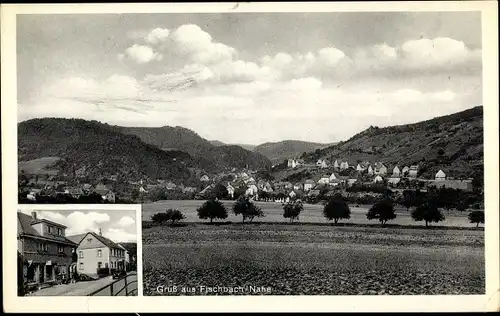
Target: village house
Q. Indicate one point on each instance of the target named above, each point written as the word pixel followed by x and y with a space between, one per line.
pixel 204 178
pixel 360 167
pixel 325 179
pixel 405 171
pixel 309 184
pixel 440 175
pixel 170 186
pixel 46 252
pixel 344 165
pixel 288 185
pixel 298 186
pixel 106 193
pixel 351 181
pixel 230 190
pixel 268 188
pixel 128 258
pixel 96 252
pixel 292 194
pixel 292 163
pixel 252 190
pixel 261 184
pixel 189 190
pixel 396 172
pixel 322 163
pixel 378 179
pixel 394 179
pixel 380 169
pixel 370 170
pixel 336 165
pixel 74 192
pixel 413 171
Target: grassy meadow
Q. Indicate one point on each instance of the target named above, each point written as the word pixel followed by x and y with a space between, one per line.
pixel 311 258
pixel 313 213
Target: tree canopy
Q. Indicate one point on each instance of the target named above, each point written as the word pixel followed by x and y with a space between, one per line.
pixel 382 210
pixel 212 209
pixel 336 208
pixel 247 209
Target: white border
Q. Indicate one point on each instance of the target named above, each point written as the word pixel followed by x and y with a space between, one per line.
pixel 448 303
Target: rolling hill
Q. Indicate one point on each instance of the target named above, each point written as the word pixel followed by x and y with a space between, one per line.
pixel 453 143
pixel 209 156
pixel 279 151
pixel 97 150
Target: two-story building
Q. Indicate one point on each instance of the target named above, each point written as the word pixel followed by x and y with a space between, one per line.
pixel 95 252
pixel 45 249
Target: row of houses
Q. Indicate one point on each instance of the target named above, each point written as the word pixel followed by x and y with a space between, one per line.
pixel 73 191
pixel 48 254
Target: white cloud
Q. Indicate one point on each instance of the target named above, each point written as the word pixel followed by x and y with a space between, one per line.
pixel 120 235
pixel 142 54
pixel 78 222
pixel 158 35
pixel 197 45
pixel 126 221
pixel 330 56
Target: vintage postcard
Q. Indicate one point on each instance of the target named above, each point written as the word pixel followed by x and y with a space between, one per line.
pixel 291 156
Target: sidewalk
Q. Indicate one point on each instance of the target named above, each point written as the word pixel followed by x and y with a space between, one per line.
pixel 75 289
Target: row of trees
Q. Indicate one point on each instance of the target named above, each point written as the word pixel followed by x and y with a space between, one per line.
pixel 335 209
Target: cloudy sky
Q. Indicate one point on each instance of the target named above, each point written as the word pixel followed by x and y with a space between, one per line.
pixel 250 77
pixel 119 226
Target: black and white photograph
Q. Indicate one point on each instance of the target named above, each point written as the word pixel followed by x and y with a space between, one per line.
pixel 263 152
pixel 63 252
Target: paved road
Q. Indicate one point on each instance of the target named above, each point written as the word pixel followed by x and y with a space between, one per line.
pixel 87 287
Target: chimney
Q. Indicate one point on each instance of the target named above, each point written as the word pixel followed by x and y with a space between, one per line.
pixel 100 231
pixel 33 214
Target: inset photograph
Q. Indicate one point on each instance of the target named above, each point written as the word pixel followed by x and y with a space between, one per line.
pixel 77 252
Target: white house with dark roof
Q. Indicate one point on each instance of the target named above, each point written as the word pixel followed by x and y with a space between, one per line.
pixel 336 165
pixel 396 172
pixel 309 184
pixel 405 171
pixel 413 171
pixel 440 175
pixel 95 252
pixel 370 170
pixel 378 179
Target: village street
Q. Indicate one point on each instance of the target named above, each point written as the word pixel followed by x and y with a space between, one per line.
pixel 84 288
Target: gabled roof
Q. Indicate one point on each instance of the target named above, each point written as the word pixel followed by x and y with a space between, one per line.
pixel 24 227
pixel 106 241
pixel 309 181
pixel 76 238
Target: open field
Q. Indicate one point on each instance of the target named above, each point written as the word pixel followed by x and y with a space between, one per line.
pixel 37 166
pixel 313 259
pixel 313 213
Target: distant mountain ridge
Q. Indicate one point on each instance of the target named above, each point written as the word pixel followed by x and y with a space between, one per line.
pixel 208 155
pixel 452 143
pixel 279 151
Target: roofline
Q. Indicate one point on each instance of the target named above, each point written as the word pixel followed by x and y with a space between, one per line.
pixel 36 221
pixel 67 241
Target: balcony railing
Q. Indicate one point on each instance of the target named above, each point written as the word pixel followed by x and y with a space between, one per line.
pixel 125 286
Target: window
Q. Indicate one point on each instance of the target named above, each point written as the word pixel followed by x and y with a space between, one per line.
pixel 60 249
pixel 59 232
pixel 43 247
pixel 81 266
pixel 80 254
pixel 99 265
pixel 49 229
pixel 99 252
